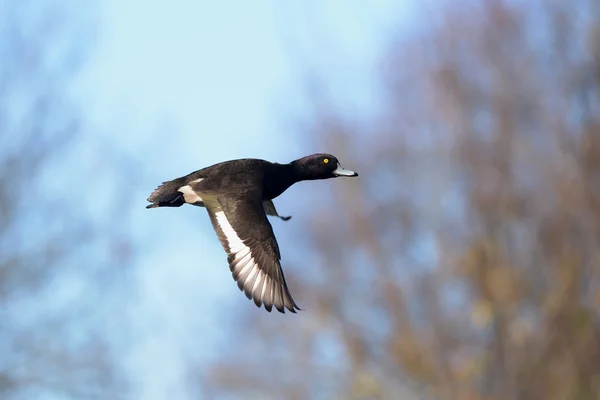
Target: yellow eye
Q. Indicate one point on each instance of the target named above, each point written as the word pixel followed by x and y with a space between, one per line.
pixel 326 160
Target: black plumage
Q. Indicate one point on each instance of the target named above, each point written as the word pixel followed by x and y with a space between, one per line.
pixel 238 196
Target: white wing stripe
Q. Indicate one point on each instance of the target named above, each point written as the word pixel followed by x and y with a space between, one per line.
pixel 241 255
pixel 264 289
pixel 252 274
pixel 238 264
pixel 246 268
pixel 259 280
pixel 233 240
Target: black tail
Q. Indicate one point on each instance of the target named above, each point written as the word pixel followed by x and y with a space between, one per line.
pixel 166 195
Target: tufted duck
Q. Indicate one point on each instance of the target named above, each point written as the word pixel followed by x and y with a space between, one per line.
pixel 238 196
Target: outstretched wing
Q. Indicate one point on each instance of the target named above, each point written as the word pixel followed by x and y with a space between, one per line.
pixel 252 252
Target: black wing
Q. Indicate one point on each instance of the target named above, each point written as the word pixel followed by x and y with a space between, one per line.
pixel 271 210
pixel 252 252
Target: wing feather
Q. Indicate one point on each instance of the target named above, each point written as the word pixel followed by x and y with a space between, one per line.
pixel 253 255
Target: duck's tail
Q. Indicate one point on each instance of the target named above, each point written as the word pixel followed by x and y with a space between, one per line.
pixel 167 195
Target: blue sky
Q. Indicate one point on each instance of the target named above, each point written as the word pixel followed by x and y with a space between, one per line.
pixel 184 84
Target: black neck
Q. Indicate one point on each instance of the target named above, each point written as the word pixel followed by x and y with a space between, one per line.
pixel 280 177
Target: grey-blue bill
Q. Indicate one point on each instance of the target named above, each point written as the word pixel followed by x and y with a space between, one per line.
pixel 339 171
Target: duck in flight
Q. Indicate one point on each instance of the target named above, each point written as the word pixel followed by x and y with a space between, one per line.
pixel 238 196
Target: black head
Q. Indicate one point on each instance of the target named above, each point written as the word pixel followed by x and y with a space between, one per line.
pixel 320 166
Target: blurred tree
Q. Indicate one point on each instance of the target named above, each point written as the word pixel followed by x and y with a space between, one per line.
pixel 53 253
pixel 464 263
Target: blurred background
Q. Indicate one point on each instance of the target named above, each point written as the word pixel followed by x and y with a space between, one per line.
pixel 463 263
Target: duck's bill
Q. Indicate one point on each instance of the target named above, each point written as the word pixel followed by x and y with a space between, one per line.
pixel 339 171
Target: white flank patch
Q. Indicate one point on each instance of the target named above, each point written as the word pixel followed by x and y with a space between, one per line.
pixel 189 195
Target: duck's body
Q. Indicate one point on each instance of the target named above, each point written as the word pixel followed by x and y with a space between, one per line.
pixel 224 178
pixel 238 196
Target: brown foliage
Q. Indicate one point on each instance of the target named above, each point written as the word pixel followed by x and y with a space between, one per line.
pixel 464 262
